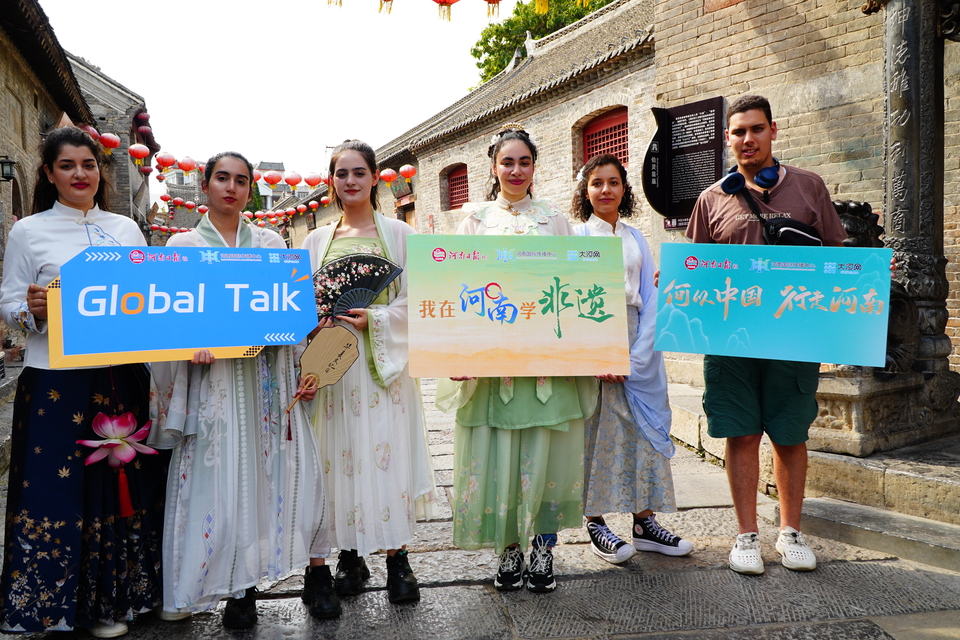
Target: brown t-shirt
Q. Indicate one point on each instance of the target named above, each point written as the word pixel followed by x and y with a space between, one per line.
pixel 799 195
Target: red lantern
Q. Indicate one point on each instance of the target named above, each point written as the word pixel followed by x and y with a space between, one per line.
pixel 272 178
pixel 326 180
pixel 314 204
pixel 164 228
pixel 190 205
pixel 444 8
pixel 493 8
pixel 273 221
pixel 138 152
pixel 302 208
pixel 166 197
pixel 165 159
pixel 154 227
pixel 161 177
pixel 408 171
pixel 261 224
pixel 187 164
pixel 256 176
pixel 144 130
pixel 202 168
pixel 173 229
pixel 293 179
pixel 93 133
pixel 313 179
pixel 178 202
pixel 146 170
pixel 143 115
pixel 388 176
pixel 109 141
pixel 204 208
pixel 290 211
pixel 325 200
pixel 246 214
pixel 260 215
pixel 184 229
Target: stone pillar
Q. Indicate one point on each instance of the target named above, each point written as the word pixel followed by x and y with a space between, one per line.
pixel 913 131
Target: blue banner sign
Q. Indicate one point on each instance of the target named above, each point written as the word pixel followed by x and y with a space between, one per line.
pixel 808 304
pixel 139 304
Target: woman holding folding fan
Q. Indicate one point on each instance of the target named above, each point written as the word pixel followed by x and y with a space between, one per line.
pixel 245 495
pixel 370 423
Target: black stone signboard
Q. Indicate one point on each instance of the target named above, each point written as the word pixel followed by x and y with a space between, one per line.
pixel 684 158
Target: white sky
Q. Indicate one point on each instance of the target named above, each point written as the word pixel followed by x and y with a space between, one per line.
pixel 277 80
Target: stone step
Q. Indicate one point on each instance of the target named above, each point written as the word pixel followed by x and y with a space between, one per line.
pixel 907 537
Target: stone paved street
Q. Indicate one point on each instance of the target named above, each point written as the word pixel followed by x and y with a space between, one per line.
pixel 854 594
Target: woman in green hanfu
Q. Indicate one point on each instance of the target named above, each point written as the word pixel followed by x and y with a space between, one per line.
pixel 518 442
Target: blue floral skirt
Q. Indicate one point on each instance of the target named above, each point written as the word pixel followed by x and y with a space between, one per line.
pixel 623 473
pixel 70 560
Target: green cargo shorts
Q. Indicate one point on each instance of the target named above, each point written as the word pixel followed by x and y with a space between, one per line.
pixel 747 396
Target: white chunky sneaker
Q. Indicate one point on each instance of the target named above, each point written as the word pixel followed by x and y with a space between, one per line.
pixel 745 556
pixel 796 554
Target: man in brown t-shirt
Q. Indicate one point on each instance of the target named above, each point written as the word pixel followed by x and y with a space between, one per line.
pixel 745 397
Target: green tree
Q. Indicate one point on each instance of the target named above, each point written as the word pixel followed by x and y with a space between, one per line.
pixel 498 42
pixel 256 202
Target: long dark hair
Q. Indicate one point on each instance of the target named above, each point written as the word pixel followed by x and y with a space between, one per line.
pixel 581 208
pixel 45 192
pixel 508 133
pixel 369 157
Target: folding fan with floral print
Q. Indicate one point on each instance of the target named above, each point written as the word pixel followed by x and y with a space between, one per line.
pixel 352 282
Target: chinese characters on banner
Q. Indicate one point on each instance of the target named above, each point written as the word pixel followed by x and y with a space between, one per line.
pixel 503 306
pixel 809 304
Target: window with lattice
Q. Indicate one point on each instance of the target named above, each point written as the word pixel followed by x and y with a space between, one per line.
pixel 607 134
pixel 457 187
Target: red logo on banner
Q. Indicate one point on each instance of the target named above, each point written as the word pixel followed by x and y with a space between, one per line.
pixel 137 256
pixel 439 254
pixel 691 262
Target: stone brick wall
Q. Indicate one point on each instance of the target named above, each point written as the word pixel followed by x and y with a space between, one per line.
pixel 951 193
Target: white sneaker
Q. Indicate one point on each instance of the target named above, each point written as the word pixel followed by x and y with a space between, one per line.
pixel 606 544
pixel 104 630
pixel 796 554
pixel 171 616
pixel 745 556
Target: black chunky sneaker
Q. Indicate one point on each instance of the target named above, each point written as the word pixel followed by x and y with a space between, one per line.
pixel 401 583
pixel 648 535
pixel 606 544
pixel 540 571
pixel 241 613
pixel 510 572
pixel 352 572
pixel 319 594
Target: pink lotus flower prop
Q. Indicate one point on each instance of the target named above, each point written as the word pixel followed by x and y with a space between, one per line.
pixel 120 444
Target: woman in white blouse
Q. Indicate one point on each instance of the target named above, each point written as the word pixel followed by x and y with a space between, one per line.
pixel 627 446
pixel 75 553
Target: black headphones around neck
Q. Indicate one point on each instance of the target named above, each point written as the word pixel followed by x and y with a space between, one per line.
pixel 766 179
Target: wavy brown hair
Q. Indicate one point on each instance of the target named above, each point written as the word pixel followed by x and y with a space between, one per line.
pixel 581 208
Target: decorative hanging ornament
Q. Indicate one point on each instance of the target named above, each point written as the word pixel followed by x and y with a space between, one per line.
pixel 293 179
pixel 138 152
pixel 302 208
pixel 190 205
pixel 164 228
pixel 204 208
pixel 93 133
pixel 166 197
pixel 144 130
pixel 187 164
pixel 109 141
pixel 272 178
pixel 154 227
pixel 161 177
pixel 325 200
pixel 143 116
pixel 146 170
pixel 261 223
pixel 493 8
pixel 165 159
pixel 256 175
pixel 385 4
pixel 313 204
pixel 408 171
pixel 444 8
pixel 312 180
pixel 178 202
pixel 388 176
